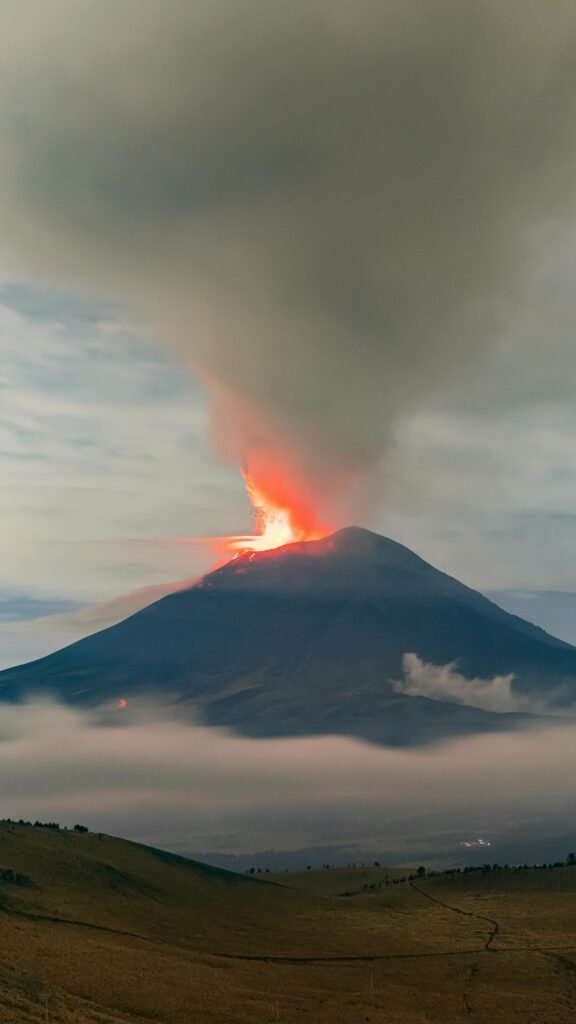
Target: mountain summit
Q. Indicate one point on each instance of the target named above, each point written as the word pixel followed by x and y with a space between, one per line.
pixel 312 638
pixel 352 561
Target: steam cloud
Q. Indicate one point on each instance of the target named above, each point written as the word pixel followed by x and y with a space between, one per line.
pixel 333 211
pixel 443 682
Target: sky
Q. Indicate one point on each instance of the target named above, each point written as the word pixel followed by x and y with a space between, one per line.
pixel 104 453
pixel 332 246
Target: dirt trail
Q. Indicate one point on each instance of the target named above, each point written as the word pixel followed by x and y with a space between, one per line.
pixel 272 958
pixel 495 927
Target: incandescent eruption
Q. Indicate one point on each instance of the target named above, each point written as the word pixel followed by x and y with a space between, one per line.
pixel 278 519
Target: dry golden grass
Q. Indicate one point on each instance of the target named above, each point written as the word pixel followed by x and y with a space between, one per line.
pixel 335 881
pixel 110 932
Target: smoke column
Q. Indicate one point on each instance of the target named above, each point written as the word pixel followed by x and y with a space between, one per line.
pixel 331 211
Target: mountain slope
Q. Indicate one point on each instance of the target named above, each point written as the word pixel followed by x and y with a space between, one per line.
pixel 309 639
pixel 97 930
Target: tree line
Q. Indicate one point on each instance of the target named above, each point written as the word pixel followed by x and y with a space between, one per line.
pixel 54 825
pixel 423 872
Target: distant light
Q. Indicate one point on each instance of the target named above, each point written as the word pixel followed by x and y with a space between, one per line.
pixel 122 703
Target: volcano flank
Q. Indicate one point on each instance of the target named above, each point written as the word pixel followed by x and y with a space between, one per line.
pixel 311 638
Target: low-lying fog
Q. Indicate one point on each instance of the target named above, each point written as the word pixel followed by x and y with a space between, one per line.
pixel 142 774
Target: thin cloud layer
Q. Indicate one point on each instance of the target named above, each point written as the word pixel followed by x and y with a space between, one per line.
pixel 142 774
pixel 334 212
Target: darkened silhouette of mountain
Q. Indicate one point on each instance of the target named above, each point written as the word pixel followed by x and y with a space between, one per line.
pixel 308 639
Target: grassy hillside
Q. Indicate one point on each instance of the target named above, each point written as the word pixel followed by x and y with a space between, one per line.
pixel 102 931
pixel 336 881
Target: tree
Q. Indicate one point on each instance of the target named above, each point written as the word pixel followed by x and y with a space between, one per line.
pixel 421 871
pixel 80 828
pixel 571 859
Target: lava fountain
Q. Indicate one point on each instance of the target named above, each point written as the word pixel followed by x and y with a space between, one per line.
pixel 279 519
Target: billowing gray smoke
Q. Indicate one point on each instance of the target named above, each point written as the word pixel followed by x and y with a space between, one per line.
pixel 332 209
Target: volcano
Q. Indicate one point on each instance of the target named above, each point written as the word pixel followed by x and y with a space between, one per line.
pixel 310 638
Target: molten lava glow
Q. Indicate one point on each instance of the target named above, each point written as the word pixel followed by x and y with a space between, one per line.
pixel 280 518
pixel 278 522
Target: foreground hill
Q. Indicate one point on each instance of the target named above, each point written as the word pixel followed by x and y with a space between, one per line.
pixel 96 930
pixel 308 639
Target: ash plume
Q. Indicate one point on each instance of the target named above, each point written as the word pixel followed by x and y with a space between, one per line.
pixel 331 211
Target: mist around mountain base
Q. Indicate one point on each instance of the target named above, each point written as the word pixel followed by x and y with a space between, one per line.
pixel 144 773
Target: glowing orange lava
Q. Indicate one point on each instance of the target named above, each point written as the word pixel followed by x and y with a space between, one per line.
pixel 278 521
pixel 280 518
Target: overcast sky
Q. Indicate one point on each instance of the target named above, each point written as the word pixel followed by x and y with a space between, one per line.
pixel 335 239
pixel 105 450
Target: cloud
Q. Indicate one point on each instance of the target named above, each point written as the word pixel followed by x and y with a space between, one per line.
pixel 443 682
pixel 143 774
pixel 16 607
pixel 333 212
pixel 85 620
pixel 102 450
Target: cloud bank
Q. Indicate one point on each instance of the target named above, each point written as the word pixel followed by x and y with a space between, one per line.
pixel 334 213
pixel 144 775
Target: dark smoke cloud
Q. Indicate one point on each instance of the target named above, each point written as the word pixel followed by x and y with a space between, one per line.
pixel 332 210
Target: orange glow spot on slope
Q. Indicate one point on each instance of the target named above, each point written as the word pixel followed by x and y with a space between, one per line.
pixel 122 703
pixel 278 520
